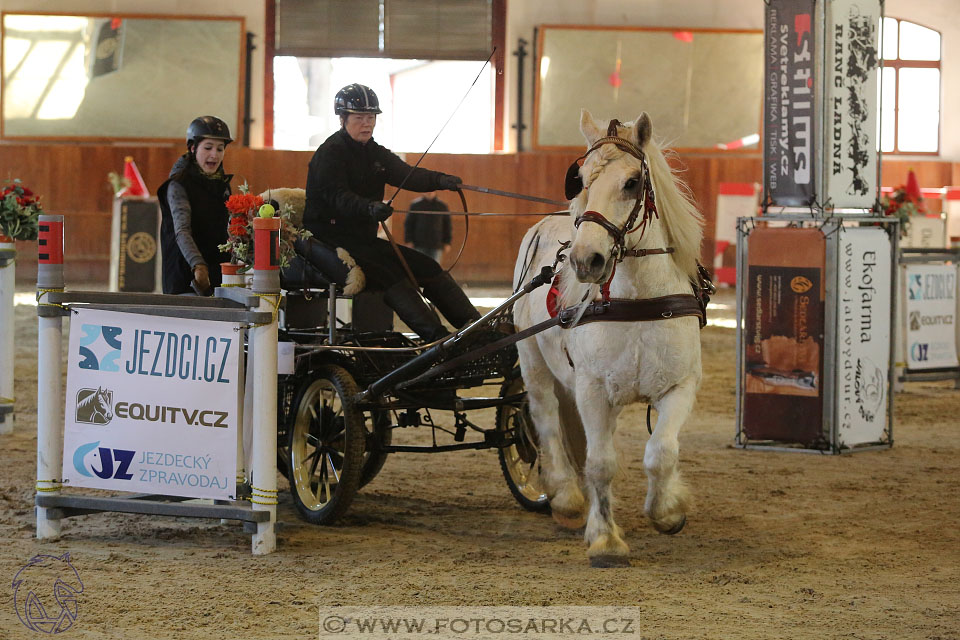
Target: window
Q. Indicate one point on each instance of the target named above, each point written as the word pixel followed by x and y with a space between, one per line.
pixel 910 88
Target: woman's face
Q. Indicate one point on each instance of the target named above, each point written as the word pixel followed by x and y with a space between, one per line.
pixel 210 154
pixel 360 126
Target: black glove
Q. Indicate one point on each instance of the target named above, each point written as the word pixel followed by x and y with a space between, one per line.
pixel 449 182
pixel 379 211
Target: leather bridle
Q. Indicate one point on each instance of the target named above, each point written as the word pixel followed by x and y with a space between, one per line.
pixel 646 200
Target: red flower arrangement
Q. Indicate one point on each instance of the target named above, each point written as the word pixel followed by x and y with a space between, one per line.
pixel 19 211
pixel 243 208
pixel 905 202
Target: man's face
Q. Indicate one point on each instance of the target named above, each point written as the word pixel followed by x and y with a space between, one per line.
pixel 360 126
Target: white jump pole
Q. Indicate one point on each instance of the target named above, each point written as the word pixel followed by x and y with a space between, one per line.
pixel 263 342
pixel 231 278
pixel 7 284
pixel 49 388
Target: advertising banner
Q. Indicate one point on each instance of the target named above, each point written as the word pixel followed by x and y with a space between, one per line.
pixel 789 98
pixel 863 335
pixel 931 322
pixel 850 103
pixel 783 335
pixel 138 245
pixel 151 404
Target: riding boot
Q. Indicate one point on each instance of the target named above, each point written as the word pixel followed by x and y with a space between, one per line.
pixel 411 308
pixel 444 292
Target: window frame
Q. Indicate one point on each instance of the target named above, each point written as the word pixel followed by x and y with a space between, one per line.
pixel 898 64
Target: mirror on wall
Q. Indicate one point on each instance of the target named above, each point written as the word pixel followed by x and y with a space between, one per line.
pixel 118 77
pixel 702 88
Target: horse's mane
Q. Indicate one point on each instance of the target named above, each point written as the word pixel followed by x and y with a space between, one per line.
pixel 678 213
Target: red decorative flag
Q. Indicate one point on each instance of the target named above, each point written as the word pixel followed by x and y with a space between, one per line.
pixel 683 36
pixel 137 186
pixel 913 187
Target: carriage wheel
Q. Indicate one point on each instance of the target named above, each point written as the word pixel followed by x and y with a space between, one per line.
pixel 377 432
pixel 520 462
pixel 326 446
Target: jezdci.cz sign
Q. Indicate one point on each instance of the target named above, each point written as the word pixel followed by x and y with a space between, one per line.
pixel 151 404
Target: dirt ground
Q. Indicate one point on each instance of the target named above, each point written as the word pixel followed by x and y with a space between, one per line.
pixel 779 545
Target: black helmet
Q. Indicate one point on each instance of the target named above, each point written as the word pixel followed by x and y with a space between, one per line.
pixel 208 127
pixel 356 98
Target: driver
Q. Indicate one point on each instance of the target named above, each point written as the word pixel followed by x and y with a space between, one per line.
pixel 344 204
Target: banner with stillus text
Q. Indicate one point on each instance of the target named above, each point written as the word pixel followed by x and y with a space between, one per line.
pixel 151 404
pixel 821 103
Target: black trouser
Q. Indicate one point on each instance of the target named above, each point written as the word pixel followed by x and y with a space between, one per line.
pixel 379 262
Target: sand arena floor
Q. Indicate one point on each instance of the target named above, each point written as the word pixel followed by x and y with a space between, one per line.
pixel 779 545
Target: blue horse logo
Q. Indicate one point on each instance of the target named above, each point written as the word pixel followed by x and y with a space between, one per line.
pixel 100 347
pixel 45 594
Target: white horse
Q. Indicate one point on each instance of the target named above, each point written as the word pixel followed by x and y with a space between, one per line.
pixel 636 220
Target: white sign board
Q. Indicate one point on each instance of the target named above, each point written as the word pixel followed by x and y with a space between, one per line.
pixel 850 104
pixel 863 335
pixel 926 232
pixel 931 316
pixel 151 404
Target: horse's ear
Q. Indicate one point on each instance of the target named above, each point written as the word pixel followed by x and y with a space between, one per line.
pixel 642 130
pixel 589 128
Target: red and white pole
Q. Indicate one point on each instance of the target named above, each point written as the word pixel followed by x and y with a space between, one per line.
pixel 50 400
pixel 263 368
pixel 8 254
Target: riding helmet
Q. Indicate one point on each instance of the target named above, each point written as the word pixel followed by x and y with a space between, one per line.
pixel 208 127
pixel 356 98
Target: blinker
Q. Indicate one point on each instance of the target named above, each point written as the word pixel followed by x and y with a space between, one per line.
pixel 573 183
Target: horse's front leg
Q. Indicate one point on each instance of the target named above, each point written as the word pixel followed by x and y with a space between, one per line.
pixel 567 504
pixel 668 498
pixel 603 535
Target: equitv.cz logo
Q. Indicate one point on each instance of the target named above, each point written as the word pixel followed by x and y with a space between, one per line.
pixel 94 406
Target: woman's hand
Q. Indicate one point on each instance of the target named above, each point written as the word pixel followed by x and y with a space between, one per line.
pixel 201 274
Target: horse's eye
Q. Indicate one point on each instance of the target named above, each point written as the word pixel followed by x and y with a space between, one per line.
pixel 631 183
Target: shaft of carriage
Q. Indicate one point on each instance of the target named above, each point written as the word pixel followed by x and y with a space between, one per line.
pixel 421 363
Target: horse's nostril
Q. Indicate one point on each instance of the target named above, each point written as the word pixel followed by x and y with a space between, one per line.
pixel 596 262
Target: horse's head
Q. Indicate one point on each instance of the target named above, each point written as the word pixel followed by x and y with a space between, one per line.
pixel 614 178
pixel 104 402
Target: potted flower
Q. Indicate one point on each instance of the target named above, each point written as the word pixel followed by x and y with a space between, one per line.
pixel 904 202
pixel 243 208
pixel 19 212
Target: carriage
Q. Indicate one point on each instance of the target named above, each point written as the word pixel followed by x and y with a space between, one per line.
pixel 352 387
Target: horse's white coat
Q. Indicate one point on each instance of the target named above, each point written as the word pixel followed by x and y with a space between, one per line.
pixel 614 363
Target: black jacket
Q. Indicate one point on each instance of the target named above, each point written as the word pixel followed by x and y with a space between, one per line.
pixel 345 177
pixel 208 224
pixel 427 231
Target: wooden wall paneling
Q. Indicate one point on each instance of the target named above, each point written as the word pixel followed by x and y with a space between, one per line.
pixel 72 180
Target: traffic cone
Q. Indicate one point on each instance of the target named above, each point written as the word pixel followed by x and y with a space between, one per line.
pixel 137 187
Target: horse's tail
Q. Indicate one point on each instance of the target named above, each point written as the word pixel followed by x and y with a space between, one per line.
pixel 575 438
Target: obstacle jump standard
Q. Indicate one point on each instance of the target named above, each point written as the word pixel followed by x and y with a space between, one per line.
pixel 255 307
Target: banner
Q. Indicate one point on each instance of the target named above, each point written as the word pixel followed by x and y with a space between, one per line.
pixel 783 335
pixel 863 335
pixel 850 103
pixel 931 308
pixel 151 404
pixel 789 98
pixel 138 245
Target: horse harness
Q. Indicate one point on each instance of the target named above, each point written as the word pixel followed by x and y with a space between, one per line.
pixel 620 310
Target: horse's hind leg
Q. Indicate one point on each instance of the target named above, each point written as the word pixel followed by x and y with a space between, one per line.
pixel 603 535
pixel 560 478
pixel 668 498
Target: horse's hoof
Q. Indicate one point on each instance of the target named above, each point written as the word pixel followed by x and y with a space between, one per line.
pixel 577 521
pixel 609 561
pixel 675 529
